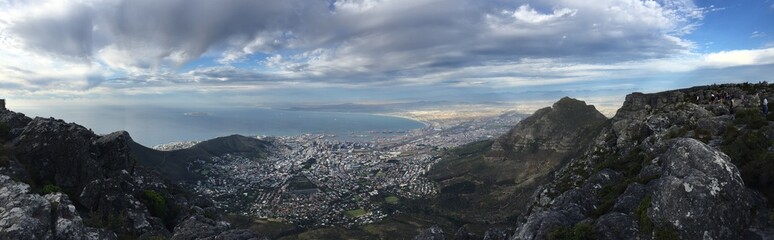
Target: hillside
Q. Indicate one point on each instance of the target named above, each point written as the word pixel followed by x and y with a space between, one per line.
pixel 490 181
pixel 59 180
pixel 182 165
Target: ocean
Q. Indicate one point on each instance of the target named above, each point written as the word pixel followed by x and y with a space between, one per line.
pixel 152 126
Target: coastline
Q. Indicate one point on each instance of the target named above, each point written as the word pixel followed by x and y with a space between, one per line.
pixel 426 123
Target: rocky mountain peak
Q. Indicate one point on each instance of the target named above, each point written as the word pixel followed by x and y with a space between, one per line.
pixel 557 128
pixel 507 174
pixel 568 105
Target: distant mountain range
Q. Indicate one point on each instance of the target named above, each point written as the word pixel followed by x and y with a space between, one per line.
pixel 382 107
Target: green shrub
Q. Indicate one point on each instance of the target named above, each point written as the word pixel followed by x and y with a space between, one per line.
pixel 211 214
pixel 5 131
pixel 748 150
pixel 666 233
pixel 746 147
pixel 630 165
pixel 54 205
pixel 112 221
pixel 50 188
pixel 646 226
pixel 752 117
pixel 156 203
pixel 675 133
pixel 608 195
pixel 581 231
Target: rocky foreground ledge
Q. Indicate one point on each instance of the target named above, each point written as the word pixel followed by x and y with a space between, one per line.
pixel 671 165
pixel 59 180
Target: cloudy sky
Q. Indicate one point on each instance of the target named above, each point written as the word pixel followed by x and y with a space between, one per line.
pixel 267 52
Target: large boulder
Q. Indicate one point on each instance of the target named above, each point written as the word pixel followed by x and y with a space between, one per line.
pixel 700 194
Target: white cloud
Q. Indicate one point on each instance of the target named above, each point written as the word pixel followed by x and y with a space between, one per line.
pixel 740 58
pixel 757 34
pixel 525 13
pixel 355 6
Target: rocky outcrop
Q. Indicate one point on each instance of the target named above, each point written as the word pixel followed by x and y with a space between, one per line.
pixel 699 195
pixel 14 121
pixel 112 196
pixel 66 154
pixel 655 171
pixel 27 215
pixel 433 233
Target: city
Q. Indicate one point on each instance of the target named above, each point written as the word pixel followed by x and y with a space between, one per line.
pixel 317 180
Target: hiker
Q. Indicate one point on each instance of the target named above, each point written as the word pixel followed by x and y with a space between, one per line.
pixel 765 106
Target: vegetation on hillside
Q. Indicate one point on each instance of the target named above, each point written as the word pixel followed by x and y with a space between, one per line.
pixel 747 143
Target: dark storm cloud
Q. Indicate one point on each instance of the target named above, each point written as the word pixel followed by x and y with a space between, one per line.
pixel 65 34
pixel 191 27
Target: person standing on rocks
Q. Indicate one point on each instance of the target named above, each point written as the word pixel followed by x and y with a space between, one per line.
pixel 765 106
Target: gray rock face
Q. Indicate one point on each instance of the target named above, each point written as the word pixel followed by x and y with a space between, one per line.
pixel 70 155
pixel 25 215
pixel 115 198
pixel 540 223
pixel 15 121
pixel 694 193
pixel 22 214
pixel 615 225
pixel 433 233
pixel 630 199
pixel 497 234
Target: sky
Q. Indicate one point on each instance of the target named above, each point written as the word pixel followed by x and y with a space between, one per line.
pixel 269 53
